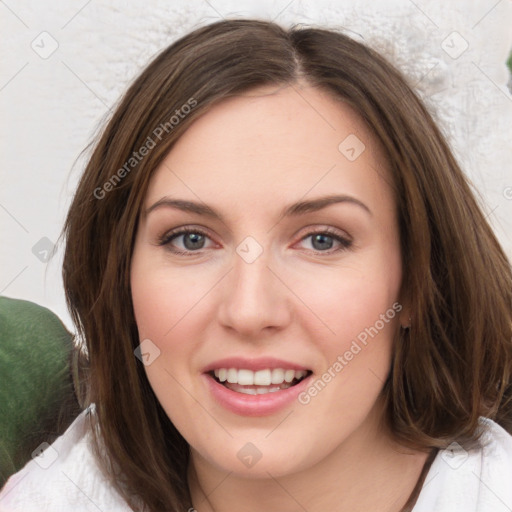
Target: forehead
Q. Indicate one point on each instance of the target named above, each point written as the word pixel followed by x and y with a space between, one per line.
pixel 275 143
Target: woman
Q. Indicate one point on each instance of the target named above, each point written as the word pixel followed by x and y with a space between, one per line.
pixel 289 295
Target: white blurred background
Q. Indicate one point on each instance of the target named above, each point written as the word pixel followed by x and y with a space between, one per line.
pixel 65 63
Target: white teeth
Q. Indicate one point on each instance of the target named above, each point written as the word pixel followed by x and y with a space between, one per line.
pixel 264 377
pixel 277 376
pixel 232 376
pixel 246 378
pixel 256 391
pixel 289 375
pixel 261 377
pixel 250 391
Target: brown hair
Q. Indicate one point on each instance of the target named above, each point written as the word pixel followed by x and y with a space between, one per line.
pixel 454 363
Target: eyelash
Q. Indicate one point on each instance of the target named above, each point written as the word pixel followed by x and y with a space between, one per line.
pixel 165 240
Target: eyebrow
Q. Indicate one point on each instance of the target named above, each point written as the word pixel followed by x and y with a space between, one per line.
pixel 293 210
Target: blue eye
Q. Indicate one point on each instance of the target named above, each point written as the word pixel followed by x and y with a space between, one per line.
pixel 194 240
pixel 323 241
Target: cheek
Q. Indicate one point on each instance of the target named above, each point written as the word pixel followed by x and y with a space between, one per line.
pixel 166 305
pixel 164 298
pixel 170 310
pixel 163 306
pixel 354 299
pixel 360 306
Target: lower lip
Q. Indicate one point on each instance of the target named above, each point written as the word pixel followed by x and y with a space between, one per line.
pixel 254 405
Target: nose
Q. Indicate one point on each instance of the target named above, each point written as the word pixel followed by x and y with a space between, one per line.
pixel 255 299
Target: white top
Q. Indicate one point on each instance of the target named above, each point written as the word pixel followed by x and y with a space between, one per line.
pixel 65 477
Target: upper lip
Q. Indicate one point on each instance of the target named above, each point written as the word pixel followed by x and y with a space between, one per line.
pixel 254 364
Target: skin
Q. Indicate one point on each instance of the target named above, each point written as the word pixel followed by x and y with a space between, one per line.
pixel 248 158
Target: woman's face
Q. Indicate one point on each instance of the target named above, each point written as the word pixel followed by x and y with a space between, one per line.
pixel 268 250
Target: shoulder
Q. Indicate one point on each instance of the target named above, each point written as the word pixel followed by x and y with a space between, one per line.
pixel 479 479
pixel 62 477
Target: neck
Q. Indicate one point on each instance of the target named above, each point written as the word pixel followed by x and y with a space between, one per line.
pixel 368 471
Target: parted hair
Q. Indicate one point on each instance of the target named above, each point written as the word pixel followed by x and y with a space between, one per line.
pixel 450 367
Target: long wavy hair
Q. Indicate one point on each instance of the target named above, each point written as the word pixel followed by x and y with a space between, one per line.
pixel 454 363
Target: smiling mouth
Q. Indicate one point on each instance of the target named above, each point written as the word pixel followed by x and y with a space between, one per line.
pixel 258 382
